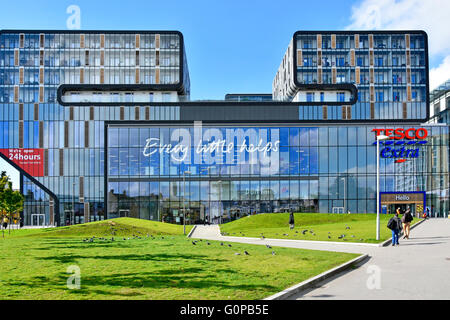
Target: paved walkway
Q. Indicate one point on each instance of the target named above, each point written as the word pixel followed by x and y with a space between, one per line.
pixel 417 269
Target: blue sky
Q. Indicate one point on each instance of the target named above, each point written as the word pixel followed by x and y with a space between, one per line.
pixel 236 46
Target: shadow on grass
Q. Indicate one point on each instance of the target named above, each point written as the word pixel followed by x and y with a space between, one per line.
pixel 135 284
pixel 127 257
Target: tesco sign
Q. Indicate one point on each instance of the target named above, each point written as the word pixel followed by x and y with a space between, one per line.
pixel 400 133
pixel 395 148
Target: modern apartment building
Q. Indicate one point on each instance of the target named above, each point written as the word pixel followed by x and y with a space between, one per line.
pixel 389 69
pixel 116 135
pixel 440 104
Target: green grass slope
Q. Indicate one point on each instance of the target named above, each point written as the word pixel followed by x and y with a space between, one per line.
pixel 118 227
pixel 324 227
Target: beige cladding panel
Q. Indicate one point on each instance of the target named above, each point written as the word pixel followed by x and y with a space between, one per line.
pixel 138 40
pixel 102 75
pixel 102 57
pixel 319 75
pixel 41 75
pixel 21 40
pixel 371 58
pixel 81 40
pixel 137 75
pixel 157 40
pixel 36 111
pixel 21 132
pixel 299 58
pixel 41 40
pixel 319 57
pixel 404 110
pixel 21 76
pixel 349 112
pixel 157 75
pixel 407 41
pixel 81 75
pixel 357 75
pixel 41 94
pixel 16 94
pixel 41 57
pixel 372 93
pixel 319 41
pixel 371 75
pixel 16 57
pixel 357 41
pixel 408 75
pixel 102 41
pixel 408 92
pixel 372 110
pixel 333 41
pixel 371 41
pixel 352 57
pixel 344 112
pixel 325 112
pixel 408 57
pixel 333 75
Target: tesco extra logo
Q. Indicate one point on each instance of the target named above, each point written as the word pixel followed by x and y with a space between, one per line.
pixel 402 144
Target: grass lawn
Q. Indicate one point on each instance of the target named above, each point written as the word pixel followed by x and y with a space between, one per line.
pixel 325 227
pixel 166 266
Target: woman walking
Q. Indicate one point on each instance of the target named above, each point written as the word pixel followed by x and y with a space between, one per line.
pixel 406 219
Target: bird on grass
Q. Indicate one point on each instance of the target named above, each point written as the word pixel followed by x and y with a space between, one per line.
pixel 229 245
pixel 273 253
pixel 347 227
pixel 208 243
pixel 237 253
pixel 268 246
pixel 304 231
pixel 262 237
pixel 193 242
pixel 246 253
pixel 329 237
pixel 221 243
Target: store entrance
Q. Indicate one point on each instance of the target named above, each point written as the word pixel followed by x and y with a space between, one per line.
pixel 391 208
pixel 390 201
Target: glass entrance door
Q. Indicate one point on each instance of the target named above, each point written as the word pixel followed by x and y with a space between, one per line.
pixel 38 219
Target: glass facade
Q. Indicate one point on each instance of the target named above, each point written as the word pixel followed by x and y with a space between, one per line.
pixel 70 140
pixel 154 172
pixel 116 155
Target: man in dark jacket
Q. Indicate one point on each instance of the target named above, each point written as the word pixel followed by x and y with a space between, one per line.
pixel 395 224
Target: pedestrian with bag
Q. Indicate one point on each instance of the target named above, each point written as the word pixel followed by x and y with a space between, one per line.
pixel 395 224
pixel 406 219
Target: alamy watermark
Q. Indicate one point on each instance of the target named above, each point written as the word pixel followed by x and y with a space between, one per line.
pixel 74 280
pixel 374 280
pixel 73 22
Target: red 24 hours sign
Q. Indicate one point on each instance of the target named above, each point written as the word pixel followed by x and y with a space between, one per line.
pixel 30 160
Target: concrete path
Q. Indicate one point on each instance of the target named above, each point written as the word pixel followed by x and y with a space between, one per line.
pixel 417 269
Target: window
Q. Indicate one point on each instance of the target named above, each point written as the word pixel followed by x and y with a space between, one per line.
pixel 359 61
pixel 310 96
pixel 340 96
pixel 380 96
pixel 396 96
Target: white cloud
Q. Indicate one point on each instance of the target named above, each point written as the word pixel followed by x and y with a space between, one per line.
pixel 432 16
pixel 440 74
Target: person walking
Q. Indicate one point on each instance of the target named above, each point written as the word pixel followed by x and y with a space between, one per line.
pixel 406 219
pixel 291 220
pixel 395 224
